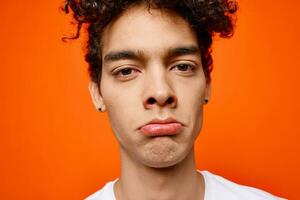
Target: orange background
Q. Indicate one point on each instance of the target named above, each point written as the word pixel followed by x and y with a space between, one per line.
pixel 54 145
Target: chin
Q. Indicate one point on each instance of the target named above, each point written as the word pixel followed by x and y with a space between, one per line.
pixel 161 165
pixel 164 160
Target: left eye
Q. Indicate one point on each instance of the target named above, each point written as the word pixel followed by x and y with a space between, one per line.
pixel 184 67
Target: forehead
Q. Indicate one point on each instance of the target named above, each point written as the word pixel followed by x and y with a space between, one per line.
pixel 147 30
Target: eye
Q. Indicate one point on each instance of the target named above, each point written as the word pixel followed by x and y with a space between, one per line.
pixel 184 67
pixel 124 72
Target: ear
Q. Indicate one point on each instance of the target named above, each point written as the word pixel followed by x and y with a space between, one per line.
pixel 208 91
pixel 96 96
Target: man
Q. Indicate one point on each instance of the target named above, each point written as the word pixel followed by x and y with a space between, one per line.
pixel 150 70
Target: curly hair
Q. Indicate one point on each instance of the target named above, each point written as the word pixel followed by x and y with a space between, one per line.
pixel 206 17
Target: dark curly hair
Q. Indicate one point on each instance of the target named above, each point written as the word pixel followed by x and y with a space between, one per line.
pixel 206 17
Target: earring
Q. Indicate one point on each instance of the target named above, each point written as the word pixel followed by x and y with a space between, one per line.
pixel 205 101
pixel 102 108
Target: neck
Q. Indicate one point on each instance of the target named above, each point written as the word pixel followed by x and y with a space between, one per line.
pixel 178 182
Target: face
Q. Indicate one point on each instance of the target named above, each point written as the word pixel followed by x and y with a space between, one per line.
pixel 152 70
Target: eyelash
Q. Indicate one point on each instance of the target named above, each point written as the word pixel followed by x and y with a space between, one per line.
pixel 117 73
pixel 192 68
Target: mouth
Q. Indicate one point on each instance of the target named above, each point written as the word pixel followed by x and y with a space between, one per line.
pixel 165 127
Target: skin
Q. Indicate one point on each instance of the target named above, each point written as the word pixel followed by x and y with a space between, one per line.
pixel 153 83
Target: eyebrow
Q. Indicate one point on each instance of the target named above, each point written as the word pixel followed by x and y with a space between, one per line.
pixel 181 51
pixel 137 55
pixel 123 55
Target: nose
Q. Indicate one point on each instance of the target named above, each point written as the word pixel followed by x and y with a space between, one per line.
pixel 159 92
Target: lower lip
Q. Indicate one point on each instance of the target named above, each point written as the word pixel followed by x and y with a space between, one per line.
pixel 161 129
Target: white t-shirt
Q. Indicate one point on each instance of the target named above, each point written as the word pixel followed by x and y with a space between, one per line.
pixel 216 188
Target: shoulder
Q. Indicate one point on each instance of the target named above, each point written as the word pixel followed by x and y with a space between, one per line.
pixel 105 193
pixel 217 187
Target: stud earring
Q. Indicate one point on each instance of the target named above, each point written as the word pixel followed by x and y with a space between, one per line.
pixel 102 108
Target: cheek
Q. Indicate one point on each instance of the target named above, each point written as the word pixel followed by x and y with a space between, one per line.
pixel 120 120
pixel 121 103
pixel 122 106
pixel 119 111
pixel 192 97
pixel 191 103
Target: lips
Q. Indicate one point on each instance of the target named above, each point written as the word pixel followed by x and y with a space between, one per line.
pixel 165 127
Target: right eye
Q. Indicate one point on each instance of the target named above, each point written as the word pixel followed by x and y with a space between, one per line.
pixel 124 72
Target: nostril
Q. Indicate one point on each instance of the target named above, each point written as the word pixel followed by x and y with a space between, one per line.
pixel 151 101
pixel 170 100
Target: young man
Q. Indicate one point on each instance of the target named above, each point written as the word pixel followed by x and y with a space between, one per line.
pixel 150 70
